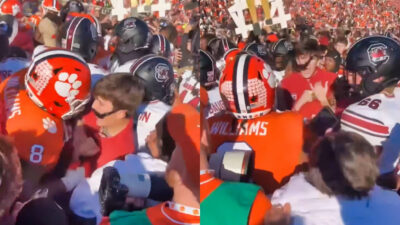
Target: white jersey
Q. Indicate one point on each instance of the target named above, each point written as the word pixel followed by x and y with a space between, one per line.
pixel 96 73
pixel 85 202
pixel 311 207
pixel 189 90
pixel 215 103
pixel 373 117
pixel 12 65
pixel 148 117
pixel 279 75
pixel 124 68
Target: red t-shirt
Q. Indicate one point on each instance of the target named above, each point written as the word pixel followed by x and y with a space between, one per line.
pixel 296 84
pixel 111 148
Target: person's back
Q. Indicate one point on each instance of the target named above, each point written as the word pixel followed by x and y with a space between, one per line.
pixel 276 139
pixel 310 206
pixel 340 186
pixel 247 87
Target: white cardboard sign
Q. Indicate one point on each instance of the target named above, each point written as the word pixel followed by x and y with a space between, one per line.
pixel 236 12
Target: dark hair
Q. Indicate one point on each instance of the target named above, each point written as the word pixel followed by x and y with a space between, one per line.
pixel 125 91
pixel 309 45
pixel 170 33
pixel 10 175
pixel 343 163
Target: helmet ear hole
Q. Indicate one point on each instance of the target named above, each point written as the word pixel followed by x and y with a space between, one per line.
pixel 55 71
pixel 57 104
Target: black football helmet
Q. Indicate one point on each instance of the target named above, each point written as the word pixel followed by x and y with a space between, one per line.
pixel 257 50
pixel 133 34
pixel 9 27
pixel 218 47
pixel 160 46
pixel 158 77
pixel 71 6
pixel 208 71
pixel 79 35
pixel 372 58
pixel 283 49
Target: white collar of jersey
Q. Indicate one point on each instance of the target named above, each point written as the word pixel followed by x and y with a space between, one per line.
pixel 183 208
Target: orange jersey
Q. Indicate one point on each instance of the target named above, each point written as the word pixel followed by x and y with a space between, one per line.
pixel 38 136
pixel 276 139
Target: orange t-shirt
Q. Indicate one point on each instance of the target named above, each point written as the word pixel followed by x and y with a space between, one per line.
pixel 38 136
pixel 261 204
pixel 275 138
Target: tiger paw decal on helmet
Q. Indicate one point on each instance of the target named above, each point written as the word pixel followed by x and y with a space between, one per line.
pixel 67 85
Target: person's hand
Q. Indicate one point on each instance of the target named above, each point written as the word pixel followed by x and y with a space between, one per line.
pixel 153 145
pixel 83 144
pixel 278 215
pixel 188 28
pixel 320 92
pixel 307 96
pixel 177 56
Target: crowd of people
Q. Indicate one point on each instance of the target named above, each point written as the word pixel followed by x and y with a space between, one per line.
pixel 95 112
pixel 137 118
pixel 299 123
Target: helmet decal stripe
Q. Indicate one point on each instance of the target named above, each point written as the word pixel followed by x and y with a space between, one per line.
pixel 162 44
pixel 245 79
pixel 225 44
pixel 238 89
pixel 71 32
pixel 140 61
pixel 234 86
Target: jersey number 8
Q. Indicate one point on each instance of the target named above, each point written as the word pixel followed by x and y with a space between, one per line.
pixel 36 153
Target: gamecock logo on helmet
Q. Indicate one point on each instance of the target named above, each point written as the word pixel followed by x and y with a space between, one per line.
pixel 161 72
pixel 377 54
pixel 130 24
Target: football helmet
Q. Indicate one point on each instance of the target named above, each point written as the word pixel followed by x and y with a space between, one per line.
pixel 92 19
pixel 79 35
pixel 71 6
pixel 247 87
pixel 158 77
pixel 229 56
pixel 52 5
pixel 279 54
pixel 133 34
pixel 160 46
pixel 257 50
pixel 218 47
pixel 208 71
pixel 11 7
pixel 58 81
pixel 372 58
pixel 34 21
pixel 9 27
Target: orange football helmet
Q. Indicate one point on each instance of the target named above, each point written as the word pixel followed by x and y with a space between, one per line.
pixel 247 87
pixel 59 82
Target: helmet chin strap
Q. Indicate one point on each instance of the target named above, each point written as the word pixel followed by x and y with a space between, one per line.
pixel 302 66
pixel 370 87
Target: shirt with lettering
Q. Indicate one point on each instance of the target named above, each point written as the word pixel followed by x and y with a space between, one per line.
pixel 275 138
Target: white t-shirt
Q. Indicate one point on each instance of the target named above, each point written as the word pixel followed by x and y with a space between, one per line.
pixel 311 207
